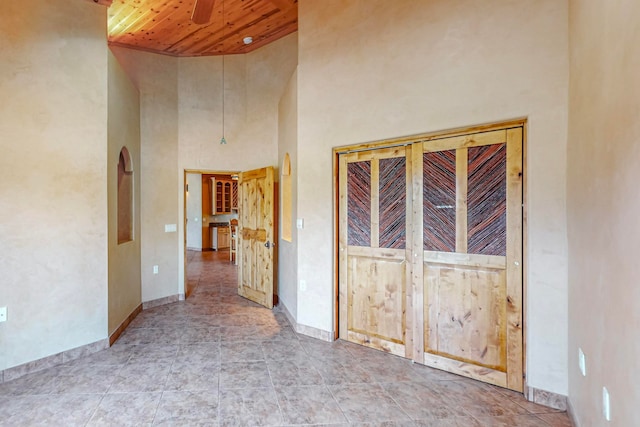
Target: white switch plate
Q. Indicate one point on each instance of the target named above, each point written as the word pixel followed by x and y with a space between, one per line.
pixel 300 223
pixel 606 405
pixel 303 285
pixel 3 314
pixel 170 228
pixel 155 269
pixel 582 363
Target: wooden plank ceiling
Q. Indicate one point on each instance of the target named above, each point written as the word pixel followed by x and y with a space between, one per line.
pixel 165 27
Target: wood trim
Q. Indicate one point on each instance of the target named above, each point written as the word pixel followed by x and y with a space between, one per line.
pixel 472 371
pixel 342 248
pixel 375 203
pixel 525 256
pixel 468 260
pixel 121 328
pixel 461 199
pixel 409 288
pixel 417 253
pixel 466 141
pixel 430 136
pixel 336 246
pixel 514 259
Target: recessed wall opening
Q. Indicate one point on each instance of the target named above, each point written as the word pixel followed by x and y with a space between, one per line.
pixel 287 222
pixel 125 197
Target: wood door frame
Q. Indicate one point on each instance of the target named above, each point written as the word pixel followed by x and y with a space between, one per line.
pixel 408 140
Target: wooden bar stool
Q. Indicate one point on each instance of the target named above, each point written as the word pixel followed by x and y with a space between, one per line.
pixel 233 243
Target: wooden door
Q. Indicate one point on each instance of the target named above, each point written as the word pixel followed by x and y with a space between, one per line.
pixel 374 271
pixel 470 243
pixel 257 225
pixel 457 269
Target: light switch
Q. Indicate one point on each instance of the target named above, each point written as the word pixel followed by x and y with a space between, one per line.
pixel 170 228
pixel 3 314
pixel 300 223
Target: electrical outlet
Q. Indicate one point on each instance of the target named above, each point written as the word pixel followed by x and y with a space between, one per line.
pixel 303 285
pixel 3 314
pixel 606 404
pixel 155 269
pixel 582 363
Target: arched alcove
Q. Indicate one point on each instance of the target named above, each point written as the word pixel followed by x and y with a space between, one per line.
pixel 125 197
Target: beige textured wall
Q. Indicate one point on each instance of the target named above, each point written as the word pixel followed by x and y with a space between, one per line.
pixel 288 143
pixel 603 209
pixel 53 193
pixel 156 76
pixel 124 259
pixel 368 71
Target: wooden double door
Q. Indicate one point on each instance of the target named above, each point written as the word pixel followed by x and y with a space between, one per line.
pixel 430 252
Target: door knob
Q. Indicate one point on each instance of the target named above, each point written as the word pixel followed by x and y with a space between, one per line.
pixel 269 245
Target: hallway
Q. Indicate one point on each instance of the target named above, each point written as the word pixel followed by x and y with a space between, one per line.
pixel 219 360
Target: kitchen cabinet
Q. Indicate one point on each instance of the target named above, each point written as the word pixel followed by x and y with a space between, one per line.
pixel 221 196
pixel 224 238
pixel 234 195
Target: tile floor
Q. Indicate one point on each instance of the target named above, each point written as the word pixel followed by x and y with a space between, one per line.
pixel 219 360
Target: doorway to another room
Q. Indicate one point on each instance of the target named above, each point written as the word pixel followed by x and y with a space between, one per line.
pixel 211 219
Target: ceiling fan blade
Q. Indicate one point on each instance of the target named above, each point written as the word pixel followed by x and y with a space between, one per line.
pixel 202 11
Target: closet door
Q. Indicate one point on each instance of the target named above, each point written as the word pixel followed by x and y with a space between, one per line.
pixel 468 235
pixel 373 249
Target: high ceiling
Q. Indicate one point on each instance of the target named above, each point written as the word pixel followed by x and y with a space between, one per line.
pixel 164 26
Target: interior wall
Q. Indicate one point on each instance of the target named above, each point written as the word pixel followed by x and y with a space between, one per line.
pixel 288 143
pixel 124 259
pixel 194 211
pixel 156 77
pixel 53 224
pixel 368 71
pixel 603 209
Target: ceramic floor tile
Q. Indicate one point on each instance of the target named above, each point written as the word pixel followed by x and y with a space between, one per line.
pixel 341 372
pixel 284 350
pixel 309 405
pixel 145 377
pixel 197 353
pixel 241 351
pixel 196 334
pixel 66 410
pixel 41 382
pixel 249 407
pixel 450 422
pixel 421 402
pixel 559 419
pixel 293 372
pixel 191 377
pixel 243 375
pixel 187 408
pixel 367 403
pixel 511 421
pixel 153 353
pixel 84 379
pixel 126 409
